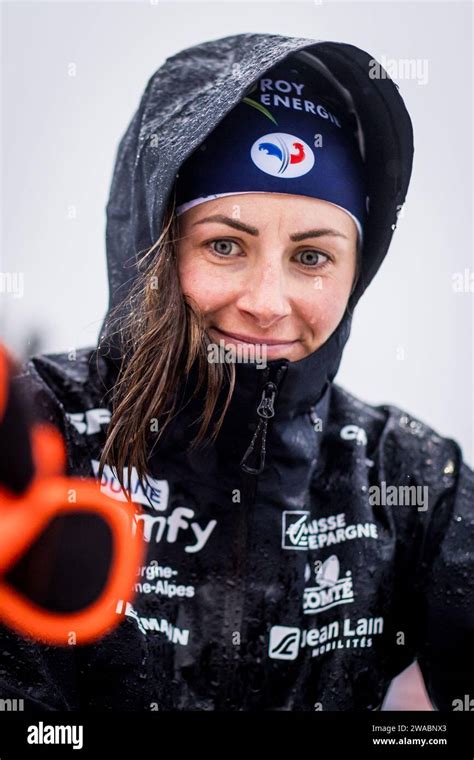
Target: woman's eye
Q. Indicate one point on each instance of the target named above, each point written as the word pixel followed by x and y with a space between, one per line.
pixel 222 246
pixel 313 258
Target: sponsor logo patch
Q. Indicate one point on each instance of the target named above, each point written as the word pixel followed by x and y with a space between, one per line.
pixel 300 532
pixel 330 590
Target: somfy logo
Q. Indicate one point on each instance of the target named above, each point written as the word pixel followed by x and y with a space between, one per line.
pixel 282 155
pixel 156 527
pixel 284 642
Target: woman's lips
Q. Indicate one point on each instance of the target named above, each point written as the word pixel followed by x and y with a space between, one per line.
pixel 253 340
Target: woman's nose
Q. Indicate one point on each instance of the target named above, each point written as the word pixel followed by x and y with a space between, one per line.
pixel 265 295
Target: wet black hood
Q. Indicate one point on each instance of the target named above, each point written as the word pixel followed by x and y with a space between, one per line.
pixel 182 103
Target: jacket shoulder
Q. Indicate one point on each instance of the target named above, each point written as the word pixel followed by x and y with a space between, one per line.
pixel 397 432
pixel 54 386
pixel 67 390
pixel 62 380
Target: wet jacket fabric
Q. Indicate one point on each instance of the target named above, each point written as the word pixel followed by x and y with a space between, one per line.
pixel 303 573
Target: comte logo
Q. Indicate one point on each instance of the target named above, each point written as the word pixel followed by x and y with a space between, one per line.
pixel 284 642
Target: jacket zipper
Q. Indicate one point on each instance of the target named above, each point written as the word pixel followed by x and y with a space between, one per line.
pixel 250 470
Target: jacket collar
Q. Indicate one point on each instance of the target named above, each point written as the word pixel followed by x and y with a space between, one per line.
pixel 304 381
pixel 263 406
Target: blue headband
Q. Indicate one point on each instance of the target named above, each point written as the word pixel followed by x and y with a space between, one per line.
pixel 281 138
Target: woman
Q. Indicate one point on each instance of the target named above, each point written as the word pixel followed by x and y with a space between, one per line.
pixel 303 547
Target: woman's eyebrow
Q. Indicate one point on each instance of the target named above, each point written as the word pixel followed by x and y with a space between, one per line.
pixel 316 233
pixel 231 222
pixel 297 236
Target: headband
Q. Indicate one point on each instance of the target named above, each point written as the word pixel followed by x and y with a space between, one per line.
pixel 282 137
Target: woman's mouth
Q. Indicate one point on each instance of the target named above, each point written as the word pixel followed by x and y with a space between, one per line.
pixel 272 344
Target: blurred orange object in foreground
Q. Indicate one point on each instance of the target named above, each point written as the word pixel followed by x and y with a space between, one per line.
pixel 68 553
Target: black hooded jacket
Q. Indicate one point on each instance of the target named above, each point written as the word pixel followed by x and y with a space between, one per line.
pixel 289 581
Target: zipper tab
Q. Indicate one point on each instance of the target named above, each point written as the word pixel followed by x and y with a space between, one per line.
pixel 265 410
pixel 266 407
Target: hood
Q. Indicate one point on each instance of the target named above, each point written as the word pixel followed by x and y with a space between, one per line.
pixel 183 102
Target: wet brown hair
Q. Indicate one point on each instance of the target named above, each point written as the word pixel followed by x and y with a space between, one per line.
pixel 161 335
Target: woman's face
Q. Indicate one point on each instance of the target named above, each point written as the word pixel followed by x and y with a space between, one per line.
pixel 269 269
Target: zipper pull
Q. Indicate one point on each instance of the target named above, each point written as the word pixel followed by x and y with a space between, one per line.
pixel 266 407
pixel 265 410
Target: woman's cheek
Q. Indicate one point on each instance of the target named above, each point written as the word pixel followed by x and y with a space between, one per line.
pixel 322 310
pixel 209 289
